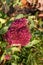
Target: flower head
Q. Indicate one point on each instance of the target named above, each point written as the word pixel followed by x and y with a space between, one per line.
pixel 18 33
pixel 18 23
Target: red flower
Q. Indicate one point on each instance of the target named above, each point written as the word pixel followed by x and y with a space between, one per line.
pixel 18 33
pixel 7 57
pixel 18 23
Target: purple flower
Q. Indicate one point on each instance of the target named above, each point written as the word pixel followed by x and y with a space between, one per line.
pixel 18 33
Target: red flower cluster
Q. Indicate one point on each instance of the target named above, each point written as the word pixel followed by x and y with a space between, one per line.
pixel 18 33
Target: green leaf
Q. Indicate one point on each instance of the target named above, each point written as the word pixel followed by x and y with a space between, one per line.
pixel 30 18
pixel 15 49
pixel 34 62
pixel 0 24
pixel 13 64
pixel 2 20
pixel 34 42
pixel 4 30
pixel 2 15
pixel 7 1
pixel 3 44
pixel 19 16
pixel 2 57
pixel 16 2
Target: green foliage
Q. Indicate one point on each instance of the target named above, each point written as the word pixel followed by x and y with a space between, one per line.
pixel 2 15
pixel 0 24
pixel 4 29
pixel 31 54
pixel 19 16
